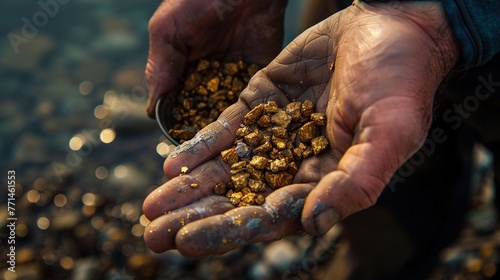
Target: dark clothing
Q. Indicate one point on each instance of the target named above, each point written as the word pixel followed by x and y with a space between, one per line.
pixel 476 25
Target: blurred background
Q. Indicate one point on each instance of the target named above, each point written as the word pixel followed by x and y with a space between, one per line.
pixel 85 155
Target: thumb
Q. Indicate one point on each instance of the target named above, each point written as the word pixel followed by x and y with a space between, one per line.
pixel 163 71
pixel 363 172
pixel 164 67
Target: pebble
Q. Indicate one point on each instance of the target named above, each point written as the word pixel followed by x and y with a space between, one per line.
pixel 24 272
pixel 129 77
pixel 28 56
pixel 261 270
pixel 30 148
pixel 85 269
pixel 281 254
pixel 143 266
pixel 113 43
pixel 94 70
pixel 66 220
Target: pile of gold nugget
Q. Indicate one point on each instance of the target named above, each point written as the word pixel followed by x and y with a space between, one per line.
pixel 205 91
pixel 268 149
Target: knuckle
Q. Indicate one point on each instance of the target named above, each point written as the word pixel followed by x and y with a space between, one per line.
pixel 370 191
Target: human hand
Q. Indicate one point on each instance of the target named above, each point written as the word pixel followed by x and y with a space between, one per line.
pixel 373 69
pixel 185 31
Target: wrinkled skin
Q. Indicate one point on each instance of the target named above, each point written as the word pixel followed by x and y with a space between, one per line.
pixel 185 31
pixel 373 69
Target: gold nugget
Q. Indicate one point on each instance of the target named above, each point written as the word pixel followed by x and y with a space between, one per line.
pixel 204 92
pixel 268 149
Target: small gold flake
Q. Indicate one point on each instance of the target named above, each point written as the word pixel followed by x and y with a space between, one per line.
pixel 184 170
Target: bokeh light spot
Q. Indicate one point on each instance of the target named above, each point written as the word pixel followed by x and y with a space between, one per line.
pixel 101 172
pixel 43 223
pixel 86 88
pixel 101 112
pixel 60 200
pixel 121 171
pixel 107 135
pixel 76 142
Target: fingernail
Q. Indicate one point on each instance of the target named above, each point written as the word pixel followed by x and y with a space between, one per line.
pixel 325 220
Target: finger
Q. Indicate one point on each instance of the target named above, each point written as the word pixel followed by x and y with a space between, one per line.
pixel 166 61
pixel 160 234
pixel 182 190
pixel 363 171
pixel 279 216
pixel 208 143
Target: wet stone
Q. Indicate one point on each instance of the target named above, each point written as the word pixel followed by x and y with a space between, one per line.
pixel 242 150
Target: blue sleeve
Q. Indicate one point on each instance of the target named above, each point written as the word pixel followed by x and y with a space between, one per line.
pixel 476 25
